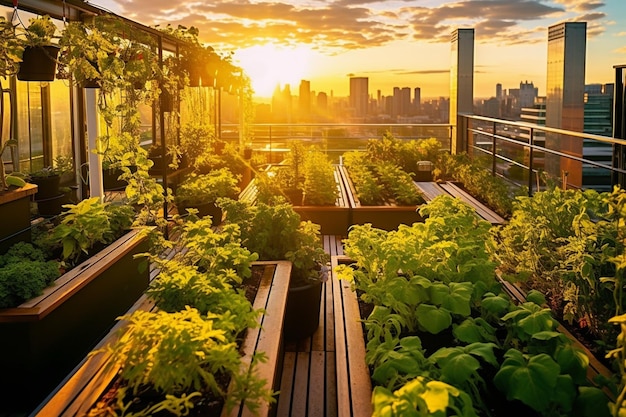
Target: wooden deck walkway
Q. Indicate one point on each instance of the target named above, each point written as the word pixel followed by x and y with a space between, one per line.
pixel 309 382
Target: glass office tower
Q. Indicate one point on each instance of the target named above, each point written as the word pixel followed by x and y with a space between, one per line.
pixel 565 97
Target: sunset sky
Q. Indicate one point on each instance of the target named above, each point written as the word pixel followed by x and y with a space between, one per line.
pixel 394 43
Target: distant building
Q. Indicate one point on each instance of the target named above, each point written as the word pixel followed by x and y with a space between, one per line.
pixel 359 95
pixel 598 120
pixel 304 101
pixel 527 94
pixel 491 108
pixel 565 96
pixel 499 91
pixel 461 79
pixel 417 100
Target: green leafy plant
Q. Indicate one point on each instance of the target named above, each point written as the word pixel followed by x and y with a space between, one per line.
pixel 378 177
pixel 421 398
pixel 90 222
pixel 306 177
pixel 276 232
pixel 207 188
pixel 11 48
pixel 24 273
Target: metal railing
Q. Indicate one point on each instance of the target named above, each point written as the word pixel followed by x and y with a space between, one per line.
pixel 520 152
pixel 334 138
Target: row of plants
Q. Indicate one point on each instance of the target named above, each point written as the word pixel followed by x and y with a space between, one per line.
pixel 27 268
pixel 384 172
pixel 475 176
pixel 201 314
pixel 569 245
pixel 305 177
pixel 442 336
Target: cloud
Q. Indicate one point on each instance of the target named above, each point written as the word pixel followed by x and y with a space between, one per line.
pixel 333 26
pixel 621 50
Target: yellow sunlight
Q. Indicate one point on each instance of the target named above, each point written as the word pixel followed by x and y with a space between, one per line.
pixel 269 65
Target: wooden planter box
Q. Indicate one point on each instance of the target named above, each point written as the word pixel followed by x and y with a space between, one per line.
pixel 333 220
pixel 386 217
pixel 354 385
pixel 44 338
pixel 82 388
pixel 15 215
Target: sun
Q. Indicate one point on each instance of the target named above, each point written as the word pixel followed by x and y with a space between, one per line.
pixel 270 65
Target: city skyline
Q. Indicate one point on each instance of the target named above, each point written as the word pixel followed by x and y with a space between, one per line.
pixel 387 41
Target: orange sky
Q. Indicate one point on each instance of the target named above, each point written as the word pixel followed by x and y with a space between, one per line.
pixel 394 43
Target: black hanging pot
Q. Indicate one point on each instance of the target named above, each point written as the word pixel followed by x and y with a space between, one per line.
pixel 39 63
pixel 167 102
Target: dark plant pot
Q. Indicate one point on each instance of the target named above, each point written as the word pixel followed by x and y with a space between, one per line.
pixel 294 196
pixel 51 206
pixel 110 179
pixel 302 314
pixel 219 147
pixel 247 154
pixel 206 209
pixel 39 63
pixel 166 101
pixel 47 187
pixel 91 83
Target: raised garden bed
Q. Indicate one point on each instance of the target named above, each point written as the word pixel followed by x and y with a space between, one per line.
pixel 89 381
pixel 333 220
pixel 45 337
pixel 387 217
pixel 15 215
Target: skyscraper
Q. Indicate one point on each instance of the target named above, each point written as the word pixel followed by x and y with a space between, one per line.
pixel 565 96
pixel 461 79
pixel 417 100
pixel 359 95
pixel 304 101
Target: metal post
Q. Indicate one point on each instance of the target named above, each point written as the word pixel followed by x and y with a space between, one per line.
pixel 96 189
pixel 493 149
pixel 531 142
pixel 619 125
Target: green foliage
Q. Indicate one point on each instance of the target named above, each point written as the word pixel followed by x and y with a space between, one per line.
pixel 90 222
pixel 197 141
pixel 383 172
pixel 11 48
pixel 437 278
pixel 476 177
pixel 151 342
pixel 403 153
pixel 24 273
pixel 276 232
pixel 207 188
pixel 305 170
pixel 422 398
pixel 569 246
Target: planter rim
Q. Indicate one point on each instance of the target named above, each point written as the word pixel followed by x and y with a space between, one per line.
pixel 72 281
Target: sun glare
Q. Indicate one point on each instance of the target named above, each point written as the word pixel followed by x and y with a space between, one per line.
pixel 269 65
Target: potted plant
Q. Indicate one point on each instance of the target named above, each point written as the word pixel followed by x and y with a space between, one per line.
pixel 39 60
pixel 275 231
pixel 47 180
pixel 201 191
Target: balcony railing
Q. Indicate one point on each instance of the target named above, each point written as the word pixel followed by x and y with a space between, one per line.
pixel 520 152
pixel 333 138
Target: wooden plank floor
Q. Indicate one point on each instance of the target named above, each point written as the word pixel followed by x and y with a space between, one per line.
pixel 308 385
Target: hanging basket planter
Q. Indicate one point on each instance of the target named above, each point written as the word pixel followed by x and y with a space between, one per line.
pixel 39 63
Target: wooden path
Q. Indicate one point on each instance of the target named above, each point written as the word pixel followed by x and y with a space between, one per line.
pixel 317 380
